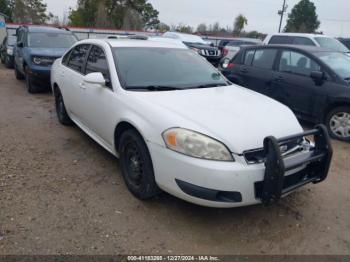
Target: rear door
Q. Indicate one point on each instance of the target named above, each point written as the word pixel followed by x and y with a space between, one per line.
pixel 296 88
pixel 72 77
pixel 257 71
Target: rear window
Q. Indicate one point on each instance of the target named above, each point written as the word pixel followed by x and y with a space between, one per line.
pixel 264 58
pixel 280 39
pixel 303 41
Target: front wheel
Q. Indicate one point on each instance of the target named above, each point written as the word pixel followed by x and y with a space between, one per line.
pixel 32 89
pixel 136 166
pixel 18 74
pixel 338 123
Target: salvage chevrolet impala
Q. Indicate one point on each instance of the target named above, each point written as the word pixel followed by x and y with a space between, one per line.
pixel 177 125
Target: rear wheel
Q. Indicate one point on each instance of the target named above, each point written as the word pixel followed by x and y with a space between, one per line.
pixel 338 123
pixel 136 166
pixel 2 58
pixel 61 112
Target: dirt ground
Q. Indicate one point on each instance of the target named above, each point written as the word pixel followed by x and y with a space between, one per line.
pixel 61 193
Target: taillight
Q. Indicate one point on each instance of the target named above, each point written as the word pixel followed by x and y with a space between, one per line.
pixel 230 65
pixel 224 51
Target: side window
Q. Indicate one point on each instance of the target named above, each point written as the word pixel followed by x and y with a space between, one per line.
pixel 65 58
pixel 77 58
pixel 249 55
pixel 97 62
pixel 279 39
pixel 264 58
pixel 297 63
pixel 303 41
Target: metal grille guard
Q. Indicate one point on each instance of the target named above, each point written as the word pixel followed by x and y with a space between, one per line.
pixel 317 162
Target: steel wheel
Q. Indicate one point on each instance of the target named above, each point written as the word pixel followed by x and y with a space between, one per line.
pixel 136 165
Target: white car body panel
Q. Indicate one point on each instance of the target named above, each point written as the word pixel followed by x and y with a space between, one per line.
pixel 236 116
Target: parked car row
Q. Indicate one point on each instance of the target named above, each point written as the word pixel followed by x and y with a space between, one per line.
pixel 175 122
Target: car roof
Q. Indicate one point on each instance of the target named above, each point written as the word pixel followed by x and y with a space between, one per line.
pixel 135 43
pixel 307 48
pixel 299 34
pixel 47 29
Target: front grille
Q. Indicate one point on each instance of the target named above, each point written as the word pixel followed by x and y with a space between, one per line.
pixel 210 52
pixel 257 156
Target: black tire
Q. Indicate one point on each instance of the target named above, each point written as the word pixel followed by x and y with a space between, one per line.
pixel 343 114
pixel 136 166
pixel 18 74
pixel 8 62
pixel 2 59
pixel 31 88
pixel 61 112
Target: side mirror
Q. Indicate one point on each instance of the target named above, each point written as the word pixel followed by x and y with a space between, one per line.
pixel 95 78
pixel 20 44
pixel 318 77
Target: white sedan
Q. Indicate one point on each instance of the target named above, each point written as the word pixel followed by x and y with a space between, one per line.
pixel 178 125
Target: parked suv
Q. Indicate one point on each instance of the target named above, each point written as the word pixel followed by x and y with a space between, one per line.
pixel 307 39
pixel 212 54
pixel 36 50
pixel 6 51
pixel 314 82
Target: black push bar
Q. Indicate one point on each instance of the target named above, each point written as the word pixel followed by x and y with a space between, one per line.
pixel 314 164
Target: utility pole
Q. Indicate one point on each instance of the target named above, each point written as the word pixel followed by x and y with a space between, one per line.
pixel 281 13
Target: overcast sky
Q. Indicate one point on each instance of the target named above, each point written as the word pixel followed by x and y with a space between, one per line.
pixel 262 14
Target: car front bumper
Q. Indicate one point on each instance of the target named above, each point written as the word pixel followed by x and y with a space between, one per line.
pixel 40 74
pixel 234 184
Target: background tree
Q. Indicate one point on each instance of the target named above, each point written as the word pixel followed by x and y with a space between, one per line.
pixel 303 18
pixel 6 8
pixel 202 28
pixel 182 28
pixel 126 14
pixel 240 22
pixel 29 11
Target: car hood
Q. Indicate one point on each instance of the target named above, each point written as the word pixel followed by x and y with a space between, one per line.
pixel 52 52
pixel 200 46
pixel 236 116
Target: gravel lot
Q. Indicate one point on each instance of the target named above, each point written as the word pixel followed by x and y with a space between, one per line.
pixel 61 193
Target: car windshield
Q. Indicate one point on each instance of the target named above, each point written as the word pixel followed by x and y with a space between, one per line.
pixel 332 44
pixel 165 68
pixel 338 62
pixel 11 41
pixel 51 40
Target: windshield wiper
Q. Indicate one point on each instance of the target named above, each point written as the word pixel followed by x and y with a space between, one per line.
pixel 206 86
pixel 153 88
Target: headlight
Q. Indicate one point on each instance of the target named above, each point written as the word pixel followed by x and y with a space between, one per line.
pixel 194 144
pixel 39 60
pixel 9 51
pixel 196 49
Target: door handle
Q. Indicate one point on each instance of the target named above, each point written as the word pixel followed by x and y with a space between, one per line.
pixel 82 85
